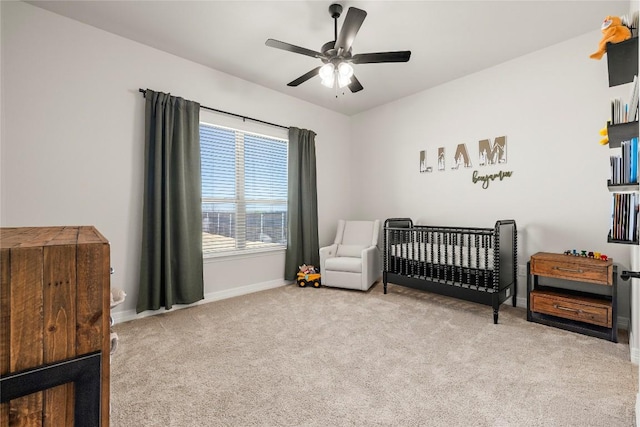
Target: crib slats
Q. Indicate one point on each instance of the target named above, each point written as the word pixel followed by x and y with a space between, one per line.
pixel 451 255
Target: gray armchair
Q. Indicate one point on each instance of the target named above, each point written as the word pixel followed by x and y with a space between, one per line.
pixel 353 261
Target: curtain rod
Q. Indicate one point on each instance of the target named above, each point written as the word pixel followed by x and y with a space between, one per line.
pixel 144 93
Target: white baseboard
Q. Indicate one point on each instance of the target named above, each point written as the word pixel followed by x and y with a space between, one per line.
pixel 125 316
pixel 635 356
pixel 634 353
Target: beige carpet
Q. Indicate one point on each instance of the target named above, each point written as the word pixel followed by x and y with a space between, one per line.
pixel 329 357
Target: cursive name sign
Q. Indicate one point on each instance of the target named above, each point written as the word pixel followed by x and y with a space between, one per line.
pixel 486 179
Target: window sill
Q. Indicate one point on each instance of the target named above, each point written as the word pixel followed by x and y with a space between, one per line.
pixel 249 253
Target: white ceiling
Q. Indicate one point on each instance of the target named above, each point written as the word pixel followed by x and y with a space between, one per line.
pixel 448 39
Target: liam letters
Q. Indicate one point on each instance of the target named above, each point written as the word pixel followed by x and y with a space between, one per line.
pixel 488 154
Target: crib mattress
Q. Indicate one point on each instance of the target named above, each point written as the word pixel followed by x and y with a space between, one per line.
pixel 453 255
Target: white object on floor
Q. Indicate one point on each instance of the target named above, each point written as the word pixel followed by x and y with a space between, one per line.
pixel 117 296
pixel 114 342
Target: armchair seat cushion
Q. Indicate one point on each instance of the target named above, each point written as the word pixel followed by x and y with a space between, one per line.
pixel 354 251
pixel 350 264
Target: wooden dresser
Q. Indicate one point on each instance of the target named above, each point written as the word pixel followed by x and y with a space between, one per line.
pixel 588 307
pixel 54 306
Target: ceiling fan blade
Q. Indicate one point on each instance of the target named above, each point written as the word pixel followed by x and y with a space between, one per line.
pixel 355 85
pixel 292 48
pixel 350 27
pixel 371 58
pixel 303 78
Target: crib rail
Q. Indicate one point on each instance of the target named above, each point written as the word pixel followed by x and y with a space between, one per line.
pixel 461 256
pixel 506 260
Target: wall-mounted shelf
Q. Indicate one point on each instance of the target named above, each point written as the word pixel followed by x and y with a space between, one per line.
pixel 621 132
pixel 622 242
pixel 623 188
pixel 622 60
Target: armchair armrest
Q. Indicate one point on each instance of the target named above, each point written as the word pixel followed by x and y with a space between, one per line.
pixel 371 270
pixel 326 253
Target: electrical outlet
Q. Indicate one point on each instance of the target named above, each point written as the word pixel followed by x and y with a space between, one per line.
pixel 522 270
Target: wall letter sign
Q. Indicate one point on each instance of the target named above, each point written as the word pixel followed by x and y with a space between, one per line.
pixel 489 154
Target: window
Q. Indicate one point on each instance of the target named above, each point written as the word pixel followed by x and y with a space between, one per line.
pixel 244 191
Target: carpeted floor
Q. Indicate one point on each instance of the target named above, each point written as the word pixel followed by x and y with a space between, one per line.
pixel 330 357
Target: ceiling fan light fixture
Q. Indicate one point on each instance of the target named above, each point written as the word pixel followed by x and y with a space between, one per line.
pixel 326 71
pixel 345 70
pixel 343 81
pixel 329 74
pixel 329 81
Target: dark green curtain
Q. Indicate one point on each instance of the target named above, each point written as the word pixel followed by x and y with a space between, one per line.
pixel 171 261
pixel 302 205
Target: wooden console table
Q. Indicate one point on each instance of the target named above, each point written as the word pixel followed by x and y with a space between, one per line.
pixel 587 309
pixel 54 318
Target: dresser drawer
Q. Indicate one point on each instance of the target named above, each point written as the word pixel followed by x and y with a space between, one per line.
pixel 583 309
pixel 572 268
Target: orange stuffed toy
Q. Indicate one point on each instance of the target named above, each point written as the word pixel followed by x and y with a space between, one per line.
pixel 612 32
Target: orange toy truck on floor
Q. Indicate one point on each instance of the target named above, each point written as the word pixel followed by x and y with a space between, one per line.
pixel 309 279
pixel 308 276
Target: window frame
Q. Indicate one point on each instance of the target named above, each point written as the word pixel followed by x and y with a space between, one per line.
pixel 240 201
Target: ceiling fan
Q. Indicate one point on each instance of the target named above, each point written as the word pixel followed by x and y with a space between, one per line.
pixel 336 54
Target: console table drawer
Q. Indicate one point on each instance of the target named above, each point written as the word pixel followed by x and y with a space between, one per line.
pixel 589 310
pixel 572 268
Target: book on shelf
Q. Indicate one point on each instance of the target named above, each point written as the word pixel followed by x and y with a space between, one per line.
pixel 626 112
pixel 633 101
pixel 633 160
pixel 616 166
pixel 624 217
pixel 615 111
pixel 624 167
pixel 632 230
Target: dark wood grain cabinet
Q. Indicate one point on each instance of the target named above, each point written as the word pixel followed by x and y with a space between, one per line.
pixel 54 313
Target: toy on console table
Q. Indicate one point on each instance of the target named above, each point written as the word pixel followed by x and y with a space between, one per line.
pixel 585 254
pixel 613 31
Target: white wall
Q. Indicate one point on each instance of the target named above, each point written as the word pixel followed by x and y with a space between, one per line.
pixel 72 138
pixel 72 132
pixel 550 105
